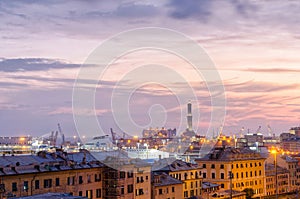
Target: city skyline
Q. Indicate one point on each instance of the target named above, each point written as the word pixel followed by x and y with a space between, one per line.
pixel 253 45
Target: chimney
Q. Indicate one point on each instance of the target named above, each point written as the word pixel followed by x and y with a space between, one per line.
pixel 84 157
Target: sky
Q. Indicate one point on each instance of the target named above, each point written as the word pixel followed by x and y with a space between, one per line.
pixel 253 44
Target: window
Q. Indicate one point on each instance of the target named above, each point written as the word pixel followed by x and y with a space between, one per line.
pixel 57 182
pixel 122 190
pixel 255 173
pixel 122 174
pixel 204 165
pixel 137 179
pixel 89 194
pixel 213 175
pixel 260 172
pixel 242 166
pixel 80 179
pixel 250 164
pixel 222 185
pixel 173 189
pixel 246 174
pixel 98 193
pixel 80 193
pixel 130 174
pixel 146 177
pixel 139 192
pixel 242 175
pixel 237 166
pixel 192 193
pixel 204 175
pixel 192 185
pixel 37 184
pixel 130 188
pixel 71 180
pixel 222 176
pixel 97 177
pixel 213 166
pixel 47 183
pixel 222 166
pixel 25 186
pixel 14 186
pixel 185 176
pixel 186 194
pixel 89 178
pixel 250 173
pixel 259 163
pixel 160 192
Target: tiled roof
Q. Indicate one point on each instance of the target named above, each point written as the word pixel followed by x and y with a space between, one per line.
pixel 79 156
pixel 229 154
pixel 207 185
pixel 118 158
pixel 169 164
pixel 51 196
pixel 164 180
pixel 45 162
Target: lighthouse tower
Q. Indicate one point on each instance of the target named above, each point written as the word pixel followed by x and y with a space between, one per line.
pixel 189 117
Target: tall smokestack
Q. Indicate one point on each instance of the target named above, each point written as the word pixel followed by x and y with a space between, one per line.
pixel 189 116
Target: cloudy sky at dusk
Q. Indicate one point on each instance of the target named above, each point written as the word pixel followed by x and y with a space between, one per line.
pixel 255 46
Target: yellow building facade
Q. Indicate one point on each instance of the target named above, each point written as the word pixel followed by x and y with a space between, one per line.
pixel 31 175
pixel 230 167
pixel 165 186
pixel 189 174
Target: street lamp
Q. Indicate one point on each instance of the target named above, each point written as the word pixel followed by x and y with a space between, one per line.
pixel 274 151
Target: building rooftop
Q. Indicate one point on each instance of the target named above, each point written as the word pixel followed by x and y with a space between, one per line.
pixel 44 162
pixel 52 196
pixel 226 193
pixel 163 179
pixel 118 158
pixel 207 185
pixel 170 164
pixel 270 170
pixel 230 154
pixel 29 159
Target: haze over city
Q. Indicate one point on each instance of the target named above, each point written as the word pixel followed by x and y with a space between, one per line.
pixel 254 45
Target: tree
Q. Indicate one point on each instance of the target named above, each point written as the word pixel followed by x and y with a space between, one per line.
pixel 249 193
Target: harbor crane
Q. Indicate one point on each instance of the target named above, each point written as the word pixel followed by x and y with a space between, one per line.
pixel 61 134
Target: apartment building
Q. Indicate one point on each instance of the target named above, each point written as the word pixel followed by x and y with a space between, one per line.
pixel 37 174
pixel 124 177
pixel 165 186
pixel 283 180
pixel 236 168
pixel 188 173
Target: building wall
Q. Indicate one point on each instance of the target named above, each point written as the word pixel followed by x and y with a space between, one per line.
pixel 192 181
pixel 119 183
pixel 45 182
pixel 174 191
pixel 246 174
pixel 142 184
